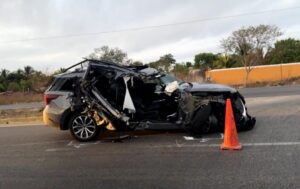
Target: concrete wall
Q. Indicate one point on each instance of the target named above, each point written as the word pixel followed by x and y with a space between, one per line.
pixel 236 76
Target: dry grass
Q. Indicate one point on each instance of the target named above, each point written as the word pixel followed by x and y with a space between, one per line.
pixel 21 116
pixel 291 81
pixel 19 97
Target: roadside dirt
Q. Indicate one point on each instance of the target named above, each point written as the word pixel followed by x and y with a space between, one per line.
pixel 27 116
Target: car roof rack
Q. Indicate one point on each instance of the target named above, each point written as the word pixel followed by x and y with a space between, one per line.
pixel 109 63
pixel 79 63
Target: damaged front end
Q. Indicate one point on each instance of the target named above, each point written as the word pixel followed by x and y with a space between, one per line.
pixel 206 113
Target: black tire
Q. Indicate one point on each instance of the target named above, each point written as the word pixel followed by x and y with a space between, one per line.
pixel 200 122
pixel 249 125
pixel 83 128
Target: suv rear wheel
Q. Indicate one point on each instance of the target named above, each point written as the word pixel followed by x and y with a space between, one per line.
pixel 83 127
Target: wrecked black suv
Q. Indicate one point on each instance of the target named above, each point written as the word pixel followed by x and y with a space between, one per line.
pixel 94 95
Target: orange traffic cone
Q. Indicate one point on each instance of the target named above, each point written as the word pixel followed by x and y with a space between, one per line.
pixel 231 141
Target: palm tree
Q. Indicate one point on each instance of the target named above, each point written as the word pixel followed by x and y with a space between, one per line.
pixel 28 70
pixel 4 73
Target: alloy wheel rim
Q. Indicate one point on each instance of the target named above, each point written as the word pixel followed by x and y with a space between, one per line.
pixel 84 127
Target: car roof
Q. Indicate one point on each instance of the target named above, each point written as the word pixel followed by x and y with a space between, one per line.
pixel 72 71
pixel 70 74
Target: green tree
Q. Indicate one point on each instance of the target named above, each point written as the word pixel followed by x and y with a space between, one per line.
pixel 137 63
pixel 13 86
pixel 226 61
pixel 204 59
pixel 3 80
pixel 25 85
pixel 164 62
pixel 188 64
pixel 284 51
pixel 4 73
pixel 2 87
pixel 28 70
pixel 221 61
pixel 180 70
pixel 39 81
pixel 16 76
pixel 109 54
pixel 59 71
pixel 250 45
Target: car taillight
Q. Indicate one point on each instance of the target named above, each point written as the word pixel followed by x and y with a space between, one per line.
pixel 49 97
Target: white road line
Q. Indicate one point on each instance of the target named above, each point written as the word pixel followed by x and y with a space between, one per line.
pixel 51 150
pixel 190 138
pixel 56 149
pixel 217 145
pixel 36 143
pixel 177 144
pixel 272 144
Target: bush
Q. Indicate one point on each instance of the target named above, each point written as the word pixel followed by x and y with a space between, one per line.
pixel 13 86
pixel 2 88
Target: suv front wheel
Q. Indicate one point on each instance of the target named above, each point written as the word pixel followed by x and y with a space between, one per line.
pixel 83 127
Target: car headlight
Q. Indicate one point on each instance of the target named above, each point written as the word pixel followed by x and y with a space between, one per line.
pixel 244 109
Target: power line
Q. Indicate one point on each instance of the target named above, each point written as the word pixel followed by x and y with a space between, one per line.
pixel 150 27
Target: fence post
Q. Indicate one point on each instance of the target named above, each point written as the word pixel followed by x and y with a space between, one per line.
pixel 281 72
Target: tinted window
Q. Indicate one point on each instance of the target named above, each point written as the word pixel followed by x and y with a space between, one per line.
pixel 67 86
pixel 61 84
pixel 55 84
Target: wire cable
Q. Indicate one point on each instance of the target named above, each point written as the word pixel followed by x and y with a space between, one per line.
pixel 151 26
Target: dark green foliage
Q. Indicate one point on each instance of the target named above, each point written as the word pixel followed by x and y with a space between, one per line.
pixel 163 63
pixel 285 51
pixel 204 59
pixel 189 64
pixel 2 87
pixel 59 71
pixel 137 63
pixel 28 70
pixel 23 80
pixel 180 69
pixel 13 86
pixel 226 61
pixel 109 54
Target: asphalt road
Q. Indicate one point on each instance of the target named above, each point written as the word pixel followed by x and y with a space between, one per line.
pixel 271 91
pixel 42 157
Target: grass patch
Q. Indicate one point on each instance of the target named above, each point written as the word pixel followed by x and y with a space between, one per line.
pixel 21 116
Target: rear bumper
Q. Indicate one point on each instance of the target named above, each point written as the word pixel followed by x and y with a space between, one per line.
pixel 50 119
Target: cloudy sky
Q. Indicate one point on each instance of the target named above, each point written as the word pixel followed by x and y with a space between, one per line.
pixel 58 33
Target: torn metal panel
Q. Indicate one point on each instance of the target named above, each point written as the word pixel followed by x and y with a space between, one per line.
pixel 128 104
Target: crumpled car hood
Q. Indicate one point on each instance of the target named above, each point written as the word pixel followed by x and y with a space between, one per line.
pixel 197 87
